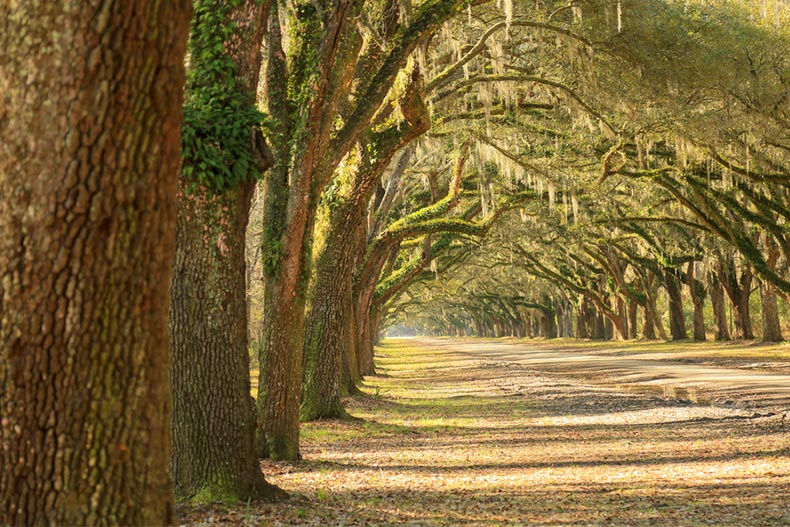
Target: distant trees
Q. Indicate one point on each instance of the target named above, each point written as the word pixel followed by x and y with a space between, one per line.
pixel 90 115
pixel 667 176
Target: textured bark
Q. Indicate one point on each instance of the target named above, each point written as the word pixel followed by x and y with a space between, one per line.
pixel 548 323
pixel 328 341
pixel 367 340
pixel 677 317
pixel 621 322
pixel 717 300
pixel 327 337
pixel 281 371
pixel 90 116
pixel 582 329
pixel 648 324
pixel 598 325
pixel 697 292
pixel 651 321
pixel 351 373
pixel 633 330
pixel 302 166
pixel 214 456
pixel 738 289
pixel 608 328
pixel 772 329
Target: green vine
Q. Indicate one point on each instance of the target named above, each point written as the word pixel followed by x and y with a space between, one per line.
pixel 219 113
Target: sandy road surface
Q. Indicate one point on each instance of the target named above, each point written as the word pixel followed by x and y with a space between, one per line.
pixel 652 373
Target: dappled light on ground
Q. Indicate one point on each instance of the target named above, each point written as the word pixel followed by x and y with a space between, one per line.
pixel 450 439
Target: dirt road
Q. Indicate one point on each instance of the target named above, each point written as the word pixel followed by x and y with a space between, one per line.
pixel 648 372
pixel 480 433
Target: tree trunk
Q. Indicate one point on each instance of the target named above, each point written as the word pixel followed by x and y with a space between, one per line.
pixel 648 325
pixel 608 328
pixel 329 320
pixel 697 291
pixel 598 324
pixel 620 322
pixel 327 330
pixel 652 318
pixel 214 457
pixel 717 301
pixel 280 379
pixel 352 374
pixel 739 290
pixel 90 117
pixel 367 340
pixel 772 329
pixel 743 318
pixel 582 329
pixel 549 324
pixel 633 330
pixel 677 316
pixel 364 305
pixel 288 217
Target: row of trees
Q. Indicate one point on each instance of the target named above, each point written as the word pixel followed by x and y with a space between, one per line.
pixel 582 285
pixel 382 140
pixel 677 196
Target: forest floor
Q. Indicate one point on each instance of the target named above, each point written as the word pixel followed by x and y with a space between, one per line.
pixel 511 433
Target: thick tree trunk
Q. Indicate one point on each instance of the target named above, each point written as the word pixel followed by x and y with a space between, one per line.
pixel 620 322
pixel 652 319
pixel 772 329
pixel 598 324
pixel 743 317
pixel 351 374
pixel 608 328
pixel 90 116
pixel 582 326
pixel 363 303
pixel 633 330
pixel 214 457
pixel 677 317
pixel 308 80
pixel 648 325
pixel 717 300
pixel 739 290
pixel 548 322
pixel 288 217
pixel 329 320
pixel 697 292
pixel 569 316
pixel 367 340
pixel 281 368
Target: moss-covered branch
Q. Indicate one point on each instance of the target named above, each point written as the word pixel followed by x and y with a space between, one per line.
pixel 426 19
